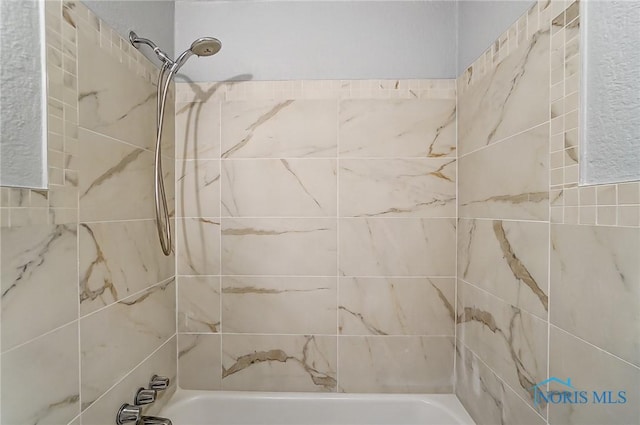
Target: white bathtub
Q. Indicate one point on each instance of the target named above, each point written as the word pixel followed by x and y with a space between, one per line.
pixel 218 408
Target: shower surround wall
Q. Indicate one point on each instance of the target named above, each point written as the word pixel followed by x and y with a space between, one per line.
pixel 316 235
pixel 88 299
pixel 548 272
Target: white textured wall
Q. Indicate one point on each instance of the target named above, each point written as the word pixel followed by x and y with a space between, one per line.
pixel 611 87
pixel 481 22
pixel 297 40
pixel 22 102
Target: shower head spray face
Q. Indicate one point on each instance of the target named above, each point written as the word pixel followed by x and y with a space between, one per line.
pixel 206 46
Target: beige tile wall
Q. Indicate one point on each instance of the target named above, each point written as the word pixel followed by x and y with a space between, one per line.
pixel 548 272
pixel 316 235
pixel 88 300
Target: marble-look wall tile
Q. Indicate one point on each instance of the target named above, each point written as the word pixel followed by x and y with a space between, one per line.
pixel 511 98
pixel 114 340
pixel 279 363
pixel 279 247
pixel 397 128
pixel 508 180
pixel 161 362
pixel 40 380
pixel 398 187
pixel 198 244
pixel 279 188
pixel 512 342
pixel 116 179
pixel 397 306
pixel 39 280
pixel 397 247
pixel 486 397
pixel 396 364
pixel 198 130
pixel 199 366
pixel 592 369
pixel 118 259
pixel 198 188
pixel 279 305
pixel 122 106
pixel 279 129
pixel 595 286
pixel 510 259
pixel 198 304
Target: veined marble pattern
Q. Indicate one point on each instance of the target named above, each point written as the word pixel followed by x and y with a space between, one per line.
pixel 162 362
pixel 279 188
pixel 279 129
pixel 42 379
pixel 509 99
pixel 199 365
pixel 486 397
pixel 595 286
pixel 397 247
pixel 279 363
pixel 199 304
pixel 279 305
pixel 39 287
pixel 510 259
pixel 118 259
pixel 512 342
pixel 114 340
pixel 122 106
pixel 198 188
pixel 591 369
pixel 508 180
pixel 398 187
pixel 198 130
pixel 198 244
pixel 116 179
pixel 279 247
pixel 397 128
pixel 396 364
pixel 397 306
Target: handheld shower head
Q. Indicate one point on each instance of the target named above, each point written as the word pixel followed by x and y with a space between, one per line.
pixel 206 46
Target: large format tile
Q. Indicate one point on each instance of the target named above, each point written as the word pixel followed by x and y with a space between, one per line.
pixel 510 98
pixel 279 129
pixel 279 188
pixel 122 106
pixel 199 365
pixel 114 340
pixel 397 306
pixel 116 179
pixel 118 259
pixel 511 342
pixel 279 362
pixel 279 247
pixel 198 188
pixel 198 130
pixel 397 128
pixel 396 364
pixel 198 304
pixel 595 286
pixel 39 280
pixel 198 245
pixel 398 187
pixel 486 397
pixel 510 259
pixel 591 369
pixel 279 305
pixel 508 180
pixel 40 380
pixel 397 247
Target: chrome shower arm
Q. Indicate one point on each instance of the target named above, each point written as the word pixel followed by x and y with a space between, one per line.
pixel 134 39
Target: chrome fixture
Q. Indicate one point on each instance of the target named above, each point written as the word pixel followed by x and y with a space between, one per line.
pixel 205 46
pixel 128 413
pixel 154 420
pixel 159 383
pixel 145 396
